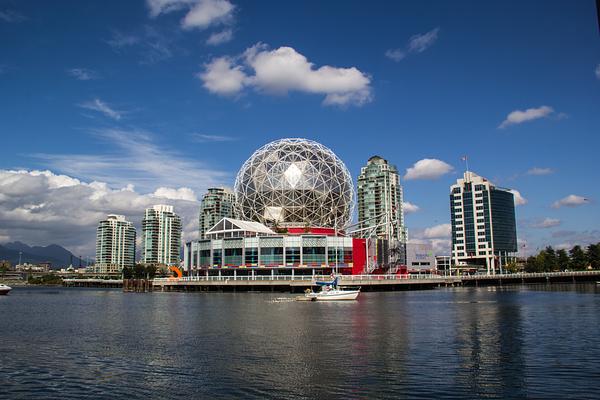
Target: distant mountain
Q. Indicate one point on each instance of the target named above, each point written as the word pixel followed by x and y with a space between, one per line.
pixel 55 254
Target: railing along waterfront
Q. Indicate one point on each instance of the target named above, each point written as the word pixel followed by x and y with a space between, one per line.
pixel 308 278
pixel 531 275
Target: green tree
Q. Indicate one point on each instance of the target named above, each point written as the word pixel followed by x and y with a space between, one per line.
pixel 139 271
pixel 593 255
pixel 531 264
pixel 150 271
pixel 578 258
pixel 550 259
pixel 127 273
pixel 563 259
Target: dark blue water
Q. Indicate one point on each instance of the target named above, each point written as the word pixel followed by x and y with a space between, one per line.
pixel 512 342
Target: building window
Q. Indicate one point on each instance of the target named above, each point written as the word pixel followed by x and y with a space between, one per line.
pixel 292 256
pixel 233 257
pixel 271 256
pixel 479 208
pixel 313 256
pixel 479 201
pixel 480 214
pixel 251 256
pixel 216 258
pixel 479 194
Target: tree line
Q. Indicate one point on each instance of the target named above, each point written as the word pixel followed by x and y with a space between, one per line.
pixel 140 271
pixel 575 259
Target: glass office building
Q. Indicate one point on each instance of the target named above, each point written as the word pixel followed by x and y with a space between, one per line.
pixel 484 233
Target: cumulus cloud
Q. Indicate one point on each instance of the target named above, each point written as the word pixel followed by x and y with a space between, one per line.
pixel 201 14
pixel 518 116
pixel 597 71
pixel 222 77
pixel 410 208
pixel 218 38
pixel 42 207
pixel 546 223
pixel 438 231
pixel 416 44
pixel 428 168
pixel 519 199
pixel 102 107
pixel 283 70
pixel 183 193
pixel 83 74
pixel 540 171
pixel 437 236
pixel 571 200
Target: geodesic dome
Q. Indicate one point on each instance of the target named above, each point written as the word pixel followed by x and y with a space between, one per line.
pixel 295 182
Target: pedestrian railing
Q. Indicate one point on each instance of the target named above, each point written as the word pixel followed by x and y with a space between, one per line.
pixel 301 278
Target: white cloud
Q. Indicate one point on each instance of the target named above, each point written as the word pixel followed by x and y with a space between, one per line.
pixel 150 43
pixel 283 70
pixel 395 54
pixel 519 199
pixel 202 138
pixel 416 44
pixel 518 116
pixel 42 207
pixel 421 42
pixel 208 12
pixel 12 16
pixel 183 193
pixel 597 71
pixel 200 14
pixel 218 38
pixel 546 223
pixel 428 168
pixel 83 74
pixel 102 107
pixel 410 208
pixel 222 77
pixel 540 171
pixel 571 200
pixel 136 158
pixel 438 231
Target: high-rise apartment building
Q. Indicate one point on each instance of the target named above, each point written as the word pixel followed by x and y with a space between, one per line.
pixel 484 230
pixel 216 204
pixel 380 200
pixel 161 229
pixel 115 244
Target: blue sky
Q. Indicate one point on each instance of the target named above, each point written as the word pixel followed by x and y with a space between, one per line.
pixel 167 97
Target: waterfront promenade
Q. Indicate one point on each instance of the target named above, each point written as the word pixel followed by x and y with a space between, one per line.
pixel 366 282
pixel 298 283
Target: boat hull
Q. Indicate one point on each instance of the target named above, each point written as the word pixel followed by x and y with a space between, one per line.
pixel 335 296
pixel 4 291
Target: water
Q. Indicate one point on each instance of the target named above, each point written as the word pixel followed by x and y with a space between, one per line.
pixel 511 342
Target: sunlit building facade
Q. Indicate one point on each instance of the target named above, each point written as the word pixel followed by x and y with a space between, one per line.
pixel 115 244
pixel 161 241
pixel 483 221
pixel 217 203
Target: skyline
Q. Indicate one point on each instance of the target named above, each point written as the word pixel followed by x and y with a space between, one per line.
pixel 154 102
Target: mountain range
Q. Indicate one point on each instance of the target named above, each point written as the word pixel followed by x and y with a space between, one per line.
pixel 55 254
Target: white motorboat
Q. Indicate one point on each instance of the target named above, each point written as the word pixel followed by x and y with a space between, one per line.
pixel 333 295
pixel 4 289
pixel 330 292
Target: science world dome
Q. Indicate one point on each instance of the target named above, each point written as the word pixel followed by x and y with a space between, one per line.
pixel 295 182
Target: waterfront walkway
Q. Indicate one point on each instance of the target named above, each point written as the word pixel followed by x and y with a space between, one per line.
pixel 299 283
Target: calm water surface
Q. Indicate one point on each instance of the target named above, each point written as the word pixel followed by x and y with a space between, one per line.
pixel 511 342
